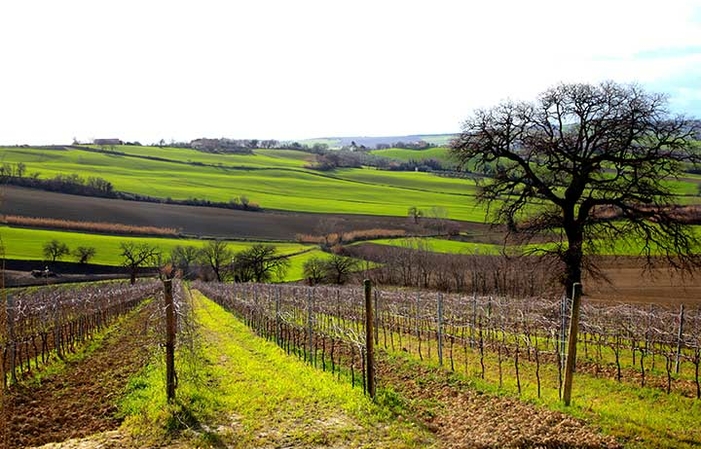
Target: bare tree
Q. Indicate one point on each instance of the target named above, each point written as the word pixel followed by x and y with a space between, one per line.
pixel 588 165
pixel 217 255
pixel 84 253
pixel 338 269
pixel 260 263
pixel 136 256
pixel 55 249
pixel 415 213
pixel 183 257
pixel 314 270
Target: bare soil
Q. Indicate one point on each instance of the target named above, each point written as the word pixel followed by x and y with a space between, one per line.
pixel 630 281
pixel 193 220
pixel 462 417
pixel 81 399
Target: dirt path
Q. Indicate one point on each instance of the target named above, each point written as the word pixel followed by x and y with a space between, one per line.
pixel 80 401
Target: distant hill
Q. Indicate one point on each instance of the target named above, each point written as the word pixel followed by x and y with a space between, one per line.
pixel 371 142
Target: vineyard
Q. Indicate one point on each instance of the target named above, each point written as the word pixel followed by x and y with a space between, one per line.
pixel 647 345
pixel 426 342
pixel 52 321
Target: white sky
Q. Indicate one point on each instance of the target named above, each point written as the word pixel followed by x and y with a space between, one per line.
pixel 147 69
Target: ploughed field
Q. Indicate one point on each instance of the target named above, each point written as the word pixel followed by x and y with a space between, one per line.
pixel 190 220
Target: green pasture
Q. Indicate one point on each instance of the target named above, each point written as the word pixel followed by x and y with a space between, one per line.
pixel 448 246
pixel 27 244
pixel 401 154
pixel 260 158
pixel 425 182
pixel 353 191
pixel 444 246
pixel 296 270
pixel 331 142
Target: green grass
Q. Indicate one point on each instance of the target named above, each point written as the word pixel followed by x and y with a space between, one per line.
pixel 446 246
pixel 271 184
pixel 296 270
pixel 27 244
pixel 241 391
pixel 439 153
pixel 438 245
pixel 259 159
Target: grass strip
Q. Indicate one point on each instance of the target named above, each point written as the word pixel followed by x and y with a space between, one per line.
pixel 241 391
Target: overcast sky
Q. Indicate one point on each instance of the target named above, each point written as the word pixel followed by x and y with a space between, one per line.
pixel 148 70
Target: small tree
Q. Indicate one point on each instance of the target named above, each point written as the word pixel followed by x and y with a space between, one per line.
pixel 183 257
pixel 84 253
pixel 54 250
pixel 338 269
pixel 415 213
pixel 260 263
pixel 314 270
pixel 135 256
pixel 217 255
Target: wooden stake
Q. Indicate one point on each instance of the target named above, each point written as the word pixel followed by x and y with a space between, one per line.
pixel 572 343
pixel 170 340
pixel 369 340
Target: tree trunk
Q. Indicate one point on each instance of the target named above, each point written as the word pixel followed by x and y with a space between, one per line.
pixel 573 290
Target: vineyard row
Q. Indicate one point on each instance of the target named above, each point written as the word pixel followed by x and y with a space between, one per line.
pixel 652 345
pixel 39 324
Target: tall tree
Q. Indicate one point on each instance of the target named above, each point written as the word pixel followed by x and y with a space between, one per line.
pixel 136 256
pixel 589 165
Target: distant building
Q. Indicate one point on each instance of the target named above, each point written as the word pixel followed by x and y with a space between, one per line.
pixel 107 142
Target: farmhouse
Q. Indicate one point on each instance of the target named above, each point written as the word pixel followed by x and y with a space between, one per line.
pixel 107 142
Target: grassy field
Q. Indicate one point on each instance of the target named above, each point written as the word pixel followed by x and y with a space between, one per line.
pixel 259 159
pixel 273 185
pixel 27 244
pixel 438 245
pixel 438 153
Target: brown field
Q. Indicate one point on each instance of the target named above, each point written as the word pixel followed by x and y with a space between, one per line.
pixel 193 220
pixel 629 281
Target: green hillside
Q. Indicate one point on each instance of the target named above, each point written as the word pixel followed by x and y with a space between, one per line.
pixel 275 179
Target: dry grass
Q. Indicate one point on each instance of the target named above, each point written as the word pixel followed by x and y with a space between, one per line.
pixel 88 226
pixel 336 238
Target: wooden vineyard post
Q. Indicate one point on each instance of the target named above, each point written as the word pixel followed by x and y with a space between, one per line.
pixel 376 316
pixel 369 339
pixel 278 321
pixel 310 328
pixel 572 343
pixel 680 337
pixel 170 340
pixel 11 344
pixel 439 331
